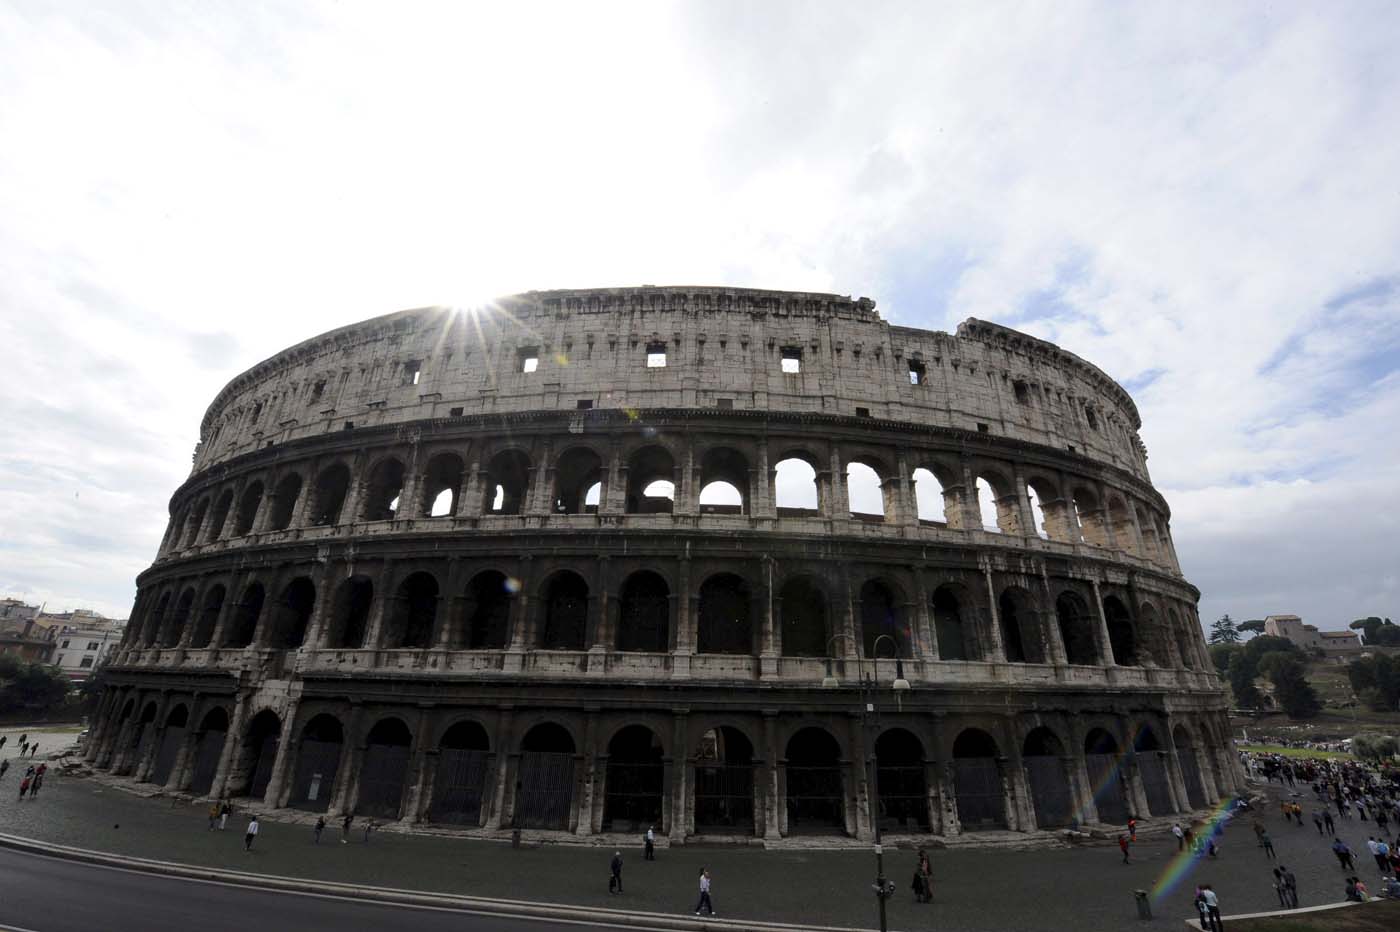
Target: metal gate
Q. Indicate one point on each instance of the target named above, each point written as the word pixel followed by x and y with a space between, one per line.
pixel 318 762
pixel 724 798
pixel 546 790
pixel 1107 781
pixel 815 802
pixel 459 786
pixel 206 761
pixel 381 780
pixel 1054 807
pixel 165 755
pixel 262 770
pixel 1153 767
pixel 633 798
pixel 1191 773
pixel 977 783
pixel 903 797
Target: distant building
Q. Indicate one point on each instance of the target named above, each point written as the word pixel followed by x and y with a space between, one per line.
pixel 82 640
pixel 1337 645
pixel 20 635
pixel 13 610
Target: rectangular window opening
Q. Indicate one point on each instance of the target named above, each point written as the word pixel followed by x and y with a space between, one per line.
pixel 982 428
pixel 87 662
pixel 862 412
pixel 583 404
pixel 529 359
pixel 656 355
pixel 257 411
pixel 792 359
pixel 349 425
pixel 918 374
pixel 318 390
pixel 454 412
pixel 1023 393
pixel 724 404
pixel 412 372
pixel 1093 421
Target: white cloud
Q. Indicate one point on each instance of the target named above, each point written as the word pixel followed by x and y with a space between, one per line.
pixel 1175 190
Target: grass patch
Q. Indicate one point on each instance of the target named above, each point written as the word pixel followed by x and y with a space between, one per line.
pixel 1295 752
pixel 1383 916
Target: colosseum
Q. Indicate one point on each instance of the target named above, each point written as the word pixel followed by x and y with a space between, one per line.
pixel 587 561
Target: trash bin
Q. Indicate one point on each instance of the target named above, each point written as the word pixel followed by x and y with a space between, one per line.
pixel 1144 904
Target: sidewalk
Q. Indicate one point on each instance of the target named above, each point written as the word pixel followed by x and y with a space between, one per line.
pixel 975 890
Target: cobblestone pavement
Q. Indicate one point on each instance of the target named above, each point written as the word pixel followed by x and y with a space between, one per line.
pixel 1068 888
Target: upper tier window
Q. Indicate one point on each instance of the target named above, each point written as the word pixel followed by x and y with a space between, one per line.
pixel 656 355
pixel 529 359
pixel 792 359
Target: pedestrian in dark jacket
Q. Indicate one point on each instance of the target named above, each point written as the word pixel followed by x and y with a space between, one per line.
pixel 320 827
pixel 615 877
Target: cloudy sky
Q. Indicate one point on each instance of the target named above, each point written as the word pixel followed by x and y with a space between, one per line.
pixel 1202 199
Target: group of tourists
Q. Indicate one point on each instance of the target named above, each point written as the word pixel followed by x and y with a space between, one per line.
pixel 704 905
pixel 33 778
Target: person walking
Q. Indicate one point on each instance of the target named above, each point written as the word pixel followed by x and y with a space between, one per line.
pixel 23 787
pixel 1180 835
pixel 1343 853
pixel 705 902
pixel 213 815
pixel 320 827
pixel 1317 820
pixel 1382 855
pixel 225 811
pixel 1132 829
pixel 1123 846
pixel 1329 822
pixel 1290 883
pixel 1268 844
pixel 1212 909
pixel 926 871
pixel 4 766
pixel 615 873
pixel 251 834
pixel 3 739
pixel 1375 850
pixel 345 824
pixel 1280 889
pixel 649 852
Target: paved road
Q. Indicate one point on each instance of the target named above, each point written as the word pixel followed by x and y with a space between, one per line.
pixel 41 894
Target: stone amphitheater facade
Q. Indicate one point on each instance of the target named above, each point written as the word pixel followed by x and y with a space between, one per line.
pixel 579 562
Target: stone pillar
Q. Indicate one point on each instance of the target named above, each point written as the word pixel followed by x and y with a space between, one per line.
pixel 761 485
pixel 325 594
pixel 840 502
pixel 943 766
pixel 773 802
pixel 1105 643
pixel 998 648
pixel 233 740
pixel 142 771
pixel 687 491
pixel 1078 765
pixel 278 785
pixel 505 769
pixel 236 584
pixel 180 774
pixel 858 824
pixel 347 769
pixel 847 644
pixel 418 771
pixel 685 638
pixel 678 787
pixel 613 500
pixel 538 495
pixel 385 601
pixel 1020 811
pixel 470 502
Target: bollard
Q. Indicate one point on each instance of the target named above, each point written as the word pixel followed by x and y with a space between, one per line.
pixel 1144 904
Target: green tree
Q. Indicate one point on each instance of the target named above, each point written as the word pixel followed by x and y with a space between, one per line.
pixel 1377 632
pixel 1241 675
pixel 1253 626
pixel 1294 693
pixel 1374 747
pixel 1376 681
pixel 30 688
pixel 1222 655
pixel 1223 631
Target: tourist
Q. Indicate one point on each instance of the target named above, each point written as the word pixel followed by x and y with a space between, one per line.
pixel 251 834
pixel 1268 845
pixel 1290 883
pixel 4 766
pixel 649 854
pixel 1180 836
pixel 320 827
pixel 24 786
pixel 369 827
pixel 1280 889
pixel 705 902
pixel 615 874
pixel 1329 822
pixel 1317 820
pixel 345 828
pixel 224 812
pixel 1123 846
pixel 1132 828
pixel 1382 856
pixel 926 871
pixel 917 885
pixel 1375 850
pixel 1212 909
pixel 213 815
pixel 1361 893
pixel 1343 853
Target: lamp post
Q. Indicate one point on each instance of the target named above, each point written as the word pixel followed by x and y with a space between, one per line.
pixel 868 686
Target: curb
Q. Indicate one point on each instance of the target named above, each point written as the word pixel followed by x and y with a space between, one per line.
pixel 519 909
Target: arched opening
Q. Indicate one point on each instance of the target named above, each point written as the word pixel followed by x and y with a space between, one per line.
pixel 987 508
pixel 1181 636
pixel 171 739
pixel 507 482
pixel 1190 766
pixel 1037 513
pixel 317 763
pixel 331 486
pixel 815 790
pixel 247 509
pixel 899 769
pixel 222 506
pixel 175 627
pixel 1152 768
pixel 866 497
pixel 141 738
pixel 156 622
pixel 651 481
pixel 208 748
pixel 1121 520
pixel 1148 528
pixel 210 608
pixel 383 491
pixel 442 482
pixel 1020 629
pixel 977 781
pixel 634 781
pixel 952 629
pixel 1102 758
pixel 292 615
pixel 350 613
pixel 252 770
pixel 486 611
pixel 721 498
pixel 414 613
pixel 644 613
pixel 244 621
pixel 580 471
pixel 1044 757
pixel 196 521
pixel 1121 636
pixel 803 607
pixel 1088 515
pixel 284 502
pixel 545 786
pixel 882 614
pixel 724 766
pixel 724 482
pixel 929 497
pixel 565 612
pixel 795 488
pixel 460 785
pixel 384 768
pixel 1076 629
pixel 1156 639
pixel 725 626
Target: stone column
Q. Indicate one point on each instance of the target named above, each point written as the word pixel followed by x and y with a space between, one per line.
pixel 495 815
pixel 418 771
pixel 773 802
pixel 347 769
pixel 180 769
pixel 678 787
pixel 1078 766
pixel 470 502
pixel 233 739
pixel 857 788
pixel 761 485
pixel 685 638
pixel 325 594
pixel 946 785
pixel 839 501
pixel 1105 643
pixel 278 784
pixel 848 645
pixel 998 648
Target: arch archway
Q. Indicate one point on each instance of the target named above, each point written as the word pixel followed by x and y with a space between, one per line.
pixel 293 614
pixel 1044 757
pixel 724 482
pixel 929 497
pixel 565 612
pixel 545 785
pixel 284 502
pixel 222 506
pixel 442 483
pixel 384 769
pixel 507 483
pixel 579 470
pixel 171 739
pixel 651 481
pixel 329 495
pixel 644 613
pixel 248 509
pixel 899 768
pixel 952 625
pixel 724 770
pixel 411 623
pixel 815 789
pixel 795 488
pixel 882 614
pixel 1151 762
pixel 724 624
pixel 1190 765
pixel 1020 630
pixel 208 748
pixel 210 607
pixel 1121 636
pixel 350 613
pixel 383 490
pixel 977 781
pixel 1076 629
pixel 634 781
pixel 253 769
pixel 246 613
pixel 317 763
pixel 864 492
pixel 1103 758
pixel 460 785
pixel 803 607
pixel 179 618
pixel 156 621
pixel 486 611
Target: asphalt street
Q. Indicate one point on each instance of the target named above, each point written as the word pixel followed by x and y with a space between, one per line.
pixel 43 894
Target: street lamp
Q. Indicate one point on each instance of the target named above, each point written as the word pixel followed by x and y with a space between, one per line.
pixel 868 687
